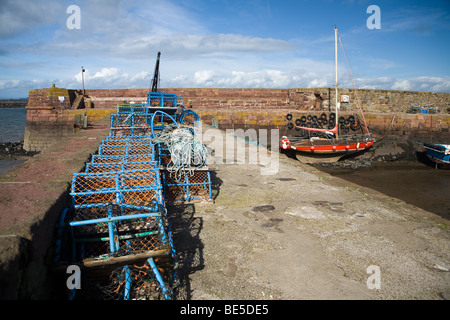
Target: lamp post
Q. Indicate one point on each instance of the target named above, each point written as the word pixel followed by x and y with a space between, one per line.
pixel 82 78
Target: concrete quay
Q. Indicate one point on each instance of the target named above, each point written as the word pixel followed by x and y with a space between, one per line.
pixel 295 232
pixel 277 229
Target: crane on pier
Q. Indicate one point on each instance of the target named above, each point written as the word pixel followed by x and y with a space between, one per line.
pixel 156 74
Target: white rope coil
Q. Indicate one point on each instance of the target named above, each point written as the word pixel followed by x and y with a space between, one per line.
pixel 186 150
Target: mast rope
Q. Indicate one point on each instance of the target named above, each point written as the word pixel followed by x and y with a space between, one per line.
pixel 354 88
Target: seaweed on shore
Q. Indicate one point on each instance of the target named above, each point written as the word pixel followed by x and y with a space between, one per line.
pixel 14 149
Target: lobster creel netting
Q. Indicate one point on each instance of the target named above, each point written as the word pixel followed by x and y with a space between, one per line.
pixel 113 167
pixel 188 118
pixel 123 150
pixel 129 282
pixel 129 120
pixel 130 131
pixel 112 231
pixel 191 187
pixel 127 108
pixel 133 187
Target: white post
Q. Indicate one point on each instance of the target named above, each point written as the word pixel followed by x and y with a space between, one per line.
pixel 82 78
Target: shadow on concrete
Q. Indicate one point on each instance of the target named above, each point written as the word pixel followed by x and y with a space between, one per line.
pixel 216 182
pixel 186 229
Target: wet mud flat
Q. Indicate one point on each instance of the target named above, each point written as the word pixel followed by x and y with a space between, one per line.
pixel 415 183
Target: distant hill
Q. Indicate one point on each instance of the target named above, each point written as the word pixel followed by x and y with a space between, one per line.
pixel 13 103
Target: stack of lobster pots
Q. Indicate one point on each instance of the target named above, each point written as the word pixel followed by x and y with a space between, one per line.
pixel 116 235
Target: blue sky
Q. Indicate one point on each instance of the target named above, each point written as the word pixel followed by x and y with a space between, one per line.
pixel 223 44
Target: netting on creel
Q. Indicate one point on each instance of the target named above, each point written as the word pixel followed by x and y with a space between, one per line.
pixel 143 281
pixel 113 167
pixel 195 187
pixel 114 230
pixel 133 186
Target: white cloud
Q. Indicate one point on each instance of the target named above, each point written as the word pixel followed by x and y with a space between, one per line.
pixel 179 46
pixel 112 77
pixel 319 83
pixel 108 74
pixel 429 84
pixel 104 78
pixel 140 76
pixel 206 77
pixel 403 84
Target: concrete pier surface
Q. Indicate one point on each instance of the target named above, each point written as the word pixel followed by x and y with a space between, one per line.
pixel 294 232
pixel 277 229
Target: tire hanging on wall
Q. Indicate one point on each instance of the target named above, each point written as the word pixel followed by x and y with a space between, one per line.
pixel 289 117
pixel 290 125
pixel 355 125
pixel 351 118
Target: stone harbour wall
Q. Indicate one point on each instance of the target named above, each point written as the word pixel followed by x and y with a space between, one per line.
pixel 52 112
pixel 301 99
pixel 433 128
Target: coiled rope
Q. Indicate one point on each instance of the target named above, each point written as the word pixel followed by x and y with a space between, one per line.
pixel 187 152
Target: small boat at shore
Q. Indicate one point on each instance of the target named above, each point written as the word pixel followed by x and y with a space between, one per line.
pixel 438 153
pixel 316 149
pixel 326 144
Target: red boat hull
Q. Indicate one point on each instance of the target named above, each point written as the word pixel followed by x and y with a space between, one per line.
pixel 323 149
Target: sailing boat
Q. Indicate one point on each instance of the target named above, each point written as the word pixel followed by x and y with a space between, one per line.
pixel 327 145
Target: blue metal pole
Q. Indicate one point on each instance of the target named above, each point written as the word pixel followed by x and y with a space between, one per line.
pixel 209 185
pixel 111 231
pixel 164 289
pixel 112 219
pixel 128 280
pixel 59 234
pixel 162 230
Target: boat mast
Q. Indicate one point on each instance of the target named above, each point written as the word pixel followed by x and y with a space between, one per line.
pixel 336 82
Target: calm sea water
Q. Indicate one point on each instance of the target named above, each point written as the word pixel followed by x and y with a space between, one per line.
pixel 12 124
